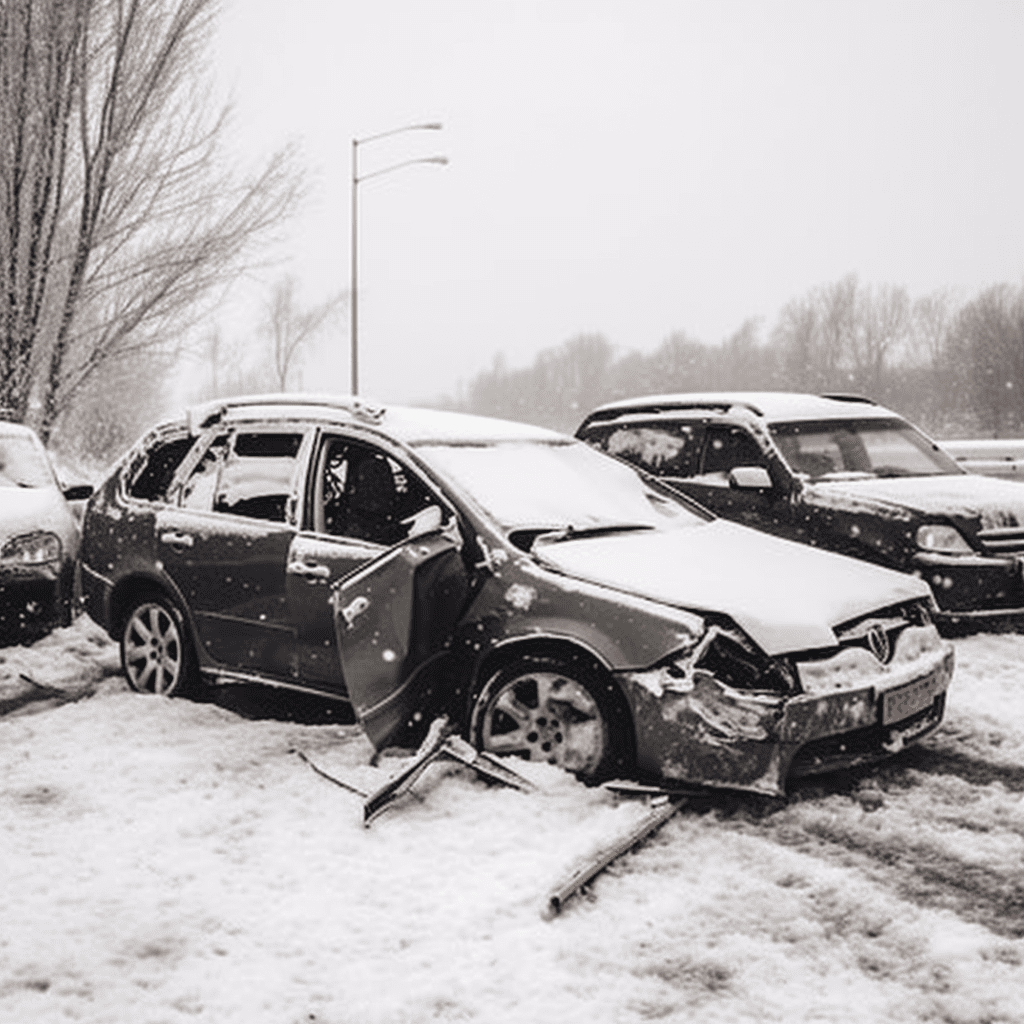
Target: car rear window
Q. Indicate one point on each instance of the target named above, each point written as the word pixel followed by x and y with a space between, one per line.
pixel 156 475
pixel 665 449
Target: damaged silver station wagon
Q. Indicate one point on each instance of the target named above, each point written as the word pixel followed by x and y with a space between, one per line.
pixel 555 603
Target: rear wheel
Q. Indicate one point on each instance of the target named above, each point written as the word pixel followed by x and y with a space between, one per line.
pixel 156 654
pixel 544 708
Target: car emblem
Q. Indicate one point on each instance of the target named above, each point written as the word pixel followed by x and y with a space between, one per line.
pixel 878 643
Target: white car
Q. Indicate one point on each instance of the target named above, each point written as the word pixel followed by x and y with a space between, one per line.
pixel 39 538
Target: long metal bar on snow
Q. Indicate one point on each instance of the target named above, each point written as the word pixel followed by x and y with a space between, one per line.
pixel 650 823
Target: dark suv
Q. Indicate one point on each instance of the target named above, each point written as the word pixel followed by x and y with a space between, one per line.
pixel 553 602
pixel 838 472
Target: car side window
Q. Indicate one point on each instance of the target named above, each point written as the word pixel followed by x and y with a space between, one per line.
pixel 256 475
pixel 664 449
pixel 198 490
pixel 152 481
pixel 727 448
pixel 362 492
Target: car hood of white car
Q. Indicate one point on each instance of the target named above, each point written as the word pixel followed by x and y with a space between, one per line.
pixel 30 509
pixel 787 597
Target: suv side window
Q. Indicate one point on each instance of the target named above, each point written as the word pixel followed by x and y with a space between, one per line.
pixel 362 492
pixel 664 449
pixel 727 448
pixel 157 473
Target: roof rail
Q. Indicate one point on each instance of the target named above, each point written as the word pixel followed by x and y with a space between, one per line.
pixel 842 396
pixel 201 417
pixel 671 406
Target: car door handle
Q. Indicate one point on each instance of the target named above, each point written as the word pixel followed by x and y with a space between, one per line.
pixel 352 611
pixel 310 572
pixel 178 540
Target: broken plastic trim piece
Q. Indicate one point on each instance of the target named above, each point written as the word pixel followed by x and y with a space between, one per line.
pixel 439 743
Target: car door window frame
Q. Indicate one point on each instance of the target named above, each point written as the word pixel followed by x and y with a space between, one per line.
pixel 294 501
pixel 378 445
pixel 720 477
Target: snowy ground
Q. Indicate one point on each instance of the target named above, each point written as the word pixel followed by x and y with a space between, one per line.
pixel 165 861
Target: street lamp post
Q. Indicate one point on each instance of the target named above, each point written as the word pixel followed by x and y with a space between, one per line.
pixel 356 179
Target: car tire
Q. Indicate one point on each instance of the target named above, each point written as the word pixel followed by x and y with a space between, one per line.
pixel 156 652
pixel 548 708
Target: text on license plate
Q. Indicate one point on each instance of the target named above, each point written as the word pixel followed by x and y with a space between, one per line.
pixel 907 700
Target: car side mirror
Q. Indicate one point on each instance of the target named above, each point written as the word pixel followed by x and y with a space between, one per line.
pixel 78 493
pixel 750 478
pixel 425 521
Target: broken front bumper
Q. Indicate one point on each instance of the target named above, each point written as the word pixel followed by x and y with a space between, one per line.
pixel 853 710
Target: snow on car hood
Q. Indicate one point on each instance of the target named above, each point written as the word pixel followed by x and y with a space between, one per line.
pixel 990 502
pixel 785 596
pixel 25 509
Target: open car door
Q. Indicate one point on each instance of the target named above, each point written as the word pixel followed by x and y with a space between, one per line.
pixel 390 616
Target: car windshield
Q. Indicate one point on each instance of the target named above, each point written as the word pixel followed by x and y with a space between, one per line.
pixel 847 449
pixel 23 463
pixel 559 485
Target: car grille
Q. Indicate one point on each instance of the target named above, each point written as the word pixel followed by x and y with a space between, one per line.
pixel 888 623
pixel 1003 540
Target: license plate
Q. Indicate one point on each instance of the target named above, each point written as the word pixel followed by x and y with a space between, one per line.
pixel 907 700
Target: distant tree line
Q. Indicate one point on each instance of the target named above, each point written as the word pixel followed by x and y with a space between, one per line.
pixel 955 368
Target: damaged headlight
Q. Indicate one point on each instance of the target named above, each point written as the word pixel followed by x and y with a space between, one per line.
pixel 727 654
pixel 32 549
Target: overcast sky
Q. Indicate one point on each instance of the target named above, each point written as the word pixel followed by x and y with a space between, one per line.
pixel 629 168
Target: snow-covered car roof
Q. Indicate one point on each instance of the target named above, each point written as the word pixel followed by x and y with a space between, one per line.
pixel 409 425
pixel 773 406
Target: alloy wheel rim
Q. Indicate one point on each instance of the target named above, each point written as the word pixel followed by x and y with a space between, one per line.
pixel 152 650
pixel 546 716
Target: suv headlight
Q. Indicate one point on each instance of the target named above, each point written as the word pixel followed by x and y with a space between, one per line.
pixel 942 539
pixel 32 549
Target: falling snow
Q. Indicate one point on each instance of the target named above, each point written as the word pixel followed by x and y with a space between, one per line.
pixel 172 861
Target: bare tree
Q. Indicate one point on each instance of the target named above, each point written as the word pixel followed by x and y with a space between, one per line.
pixel 123 170
pixel 987 339
pixel 290 328
pixel 39 79
pixel 837 328
pixel 795 338
pixel 882 329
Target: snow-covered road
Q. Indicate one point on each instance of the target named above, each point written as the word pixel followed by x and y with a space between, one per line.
pixel 165 861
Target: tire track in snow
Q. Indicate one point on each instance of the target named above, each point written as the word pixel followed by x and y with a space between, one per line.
pixel 931 878
pixel 845 819
pixel 971 768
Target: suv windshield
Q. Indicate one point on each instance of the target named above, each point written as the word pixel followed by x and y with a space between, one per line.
pixel 558 485
pixel 839 449
pixel 22 462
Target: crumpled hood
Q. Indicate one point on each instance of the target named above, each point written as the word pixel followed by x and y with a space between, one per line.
pixel 785 596
pixel 25 509
pixel 987 502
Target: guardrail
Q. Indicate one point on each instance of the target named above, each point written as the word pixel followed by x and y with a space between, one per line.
pixel 989 457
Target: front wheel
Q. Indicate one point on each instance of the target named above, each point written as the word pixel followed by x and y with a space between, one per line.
pixel 155 651
pixel 542 708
